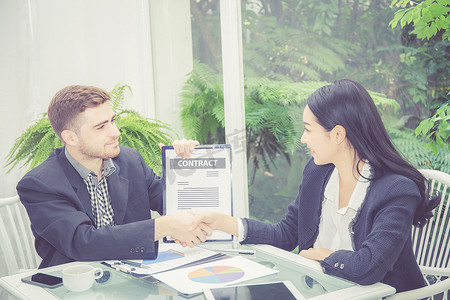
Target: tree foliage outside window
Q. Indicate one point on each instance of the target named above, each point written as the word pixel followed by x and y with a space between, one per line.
pixel 273 116
pixel 299 41
pixel 429 19
pixel 296 40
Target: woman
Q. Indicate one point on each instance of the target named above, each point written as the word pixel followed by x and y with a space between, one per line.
pixel 358 199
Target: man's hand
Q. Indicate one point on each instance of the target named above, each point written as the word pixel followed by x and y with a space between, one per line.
pixel 179 227
pixel 316 253
pixel 216 221
pixel 183 148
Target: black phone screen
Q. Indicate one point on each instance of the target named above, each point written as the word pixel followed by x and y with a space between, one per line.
pixel 46 279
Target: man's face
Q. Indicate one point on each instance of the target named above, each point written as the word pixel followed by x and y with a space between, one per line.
pixel 98 136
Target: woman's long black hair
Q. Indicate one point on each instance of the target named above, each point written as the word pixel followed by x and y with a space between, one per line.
pixel 347 103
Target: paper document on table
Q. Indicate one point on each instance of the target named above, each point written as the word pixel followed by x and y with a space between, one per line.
pixel 215 274
pixel 170 256
pixel 199 183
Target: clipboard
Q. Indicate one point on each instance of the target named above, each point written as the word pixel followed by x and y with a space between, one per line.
pixel 200 183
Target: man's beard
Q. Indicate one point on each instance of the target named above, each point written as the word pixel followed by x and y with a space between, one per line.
pixel 103 153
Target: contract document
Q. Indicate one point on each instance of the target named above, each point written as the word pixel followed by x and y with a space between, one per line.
pixel 199 183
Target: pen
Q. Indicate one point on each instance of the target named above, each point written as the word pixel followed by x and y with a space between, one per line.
pixel 239 251
pixel 131 263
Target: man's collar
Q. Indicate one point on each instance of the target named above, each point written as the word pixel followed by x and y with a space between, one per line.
pixel 108 166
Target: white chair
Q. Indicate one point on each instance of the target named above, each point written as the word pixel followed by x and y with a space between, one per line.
pixel 16 238
pixel 431 244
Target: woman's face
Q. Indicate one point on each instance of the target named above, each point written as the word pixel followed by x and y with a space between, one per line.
pixel 317 139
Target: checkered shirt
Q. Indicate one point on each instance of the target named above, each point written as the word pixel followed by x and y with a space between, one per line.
pixel 100 200
pixel 98 190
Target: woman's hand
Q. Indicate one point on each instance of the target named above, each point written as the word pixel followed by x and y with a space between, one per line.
pixel 212 219
pixel 316 253
pixel 216 221
pixel 209 221
pixel 178 226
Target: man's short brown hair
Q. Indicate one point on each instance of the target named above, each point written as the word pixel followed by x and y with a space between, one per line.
pixel 69 102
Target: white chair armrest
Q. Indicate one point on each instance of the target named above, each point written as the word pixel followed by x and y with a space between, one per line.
pixel 420 293
pixel 435 271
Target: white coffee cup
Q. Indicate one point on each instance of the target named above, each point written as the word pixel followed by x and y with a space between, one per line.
pixel 80 277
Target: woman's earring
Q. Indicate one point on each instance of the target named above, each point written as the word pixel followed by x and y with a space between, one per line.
pixel 335 142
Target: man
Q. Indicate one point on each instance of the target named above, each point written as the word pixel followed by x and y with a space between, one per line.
pixel 91 199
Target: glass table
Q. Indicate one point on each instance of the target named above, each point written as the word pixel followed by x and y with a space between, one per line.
pixel 305 274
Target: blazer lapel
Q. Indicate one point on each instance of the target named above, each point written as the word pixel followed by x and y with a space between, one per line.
pixel 118 191
pixel 83 195
pixel 78 184
pixel 313 186
pixel 117 186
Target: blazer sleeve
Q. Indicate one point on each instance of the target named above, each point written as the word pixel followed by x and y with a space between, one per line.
pixel 283 234
pixel 388 227
pixel 62 222
pixel 301 221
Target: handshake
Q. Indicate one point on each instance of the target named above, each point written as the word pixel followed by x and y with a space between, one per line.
pixel 188 228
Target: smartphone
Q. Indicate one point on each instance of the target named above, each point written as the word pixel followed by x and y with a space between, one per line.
pixel 44 280
pixel 270 290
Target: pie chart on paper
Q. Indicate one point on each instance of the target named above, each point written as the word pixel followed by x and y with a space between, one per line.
pixel 216 274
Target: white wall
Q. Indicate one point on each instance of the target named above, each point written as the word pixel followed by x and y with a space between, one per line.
pixel 13 54
pixel 49 44
pixel 171 40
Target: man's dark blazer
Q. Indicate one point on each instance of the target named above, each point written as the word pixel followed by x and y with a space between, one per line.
pixel 58 204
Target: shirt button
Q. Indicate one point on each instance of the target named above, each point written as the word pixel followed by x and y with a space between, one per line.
pixel 336 265
pixel 342 266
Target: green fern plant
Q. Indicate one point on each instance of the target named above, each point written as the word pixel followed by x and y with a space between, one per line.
pixel 437 129
pixel 279 54
pixel 34 145
pixel 39 140
pixel 294 42
pixel 414 149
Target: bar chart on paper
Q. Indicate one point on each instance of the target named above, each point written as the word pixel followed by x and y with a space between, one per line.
pixel 164 256
pixel 216 274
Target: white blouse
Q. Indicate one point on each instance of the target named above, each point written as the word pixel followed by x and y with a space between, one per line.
pixel 334 231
